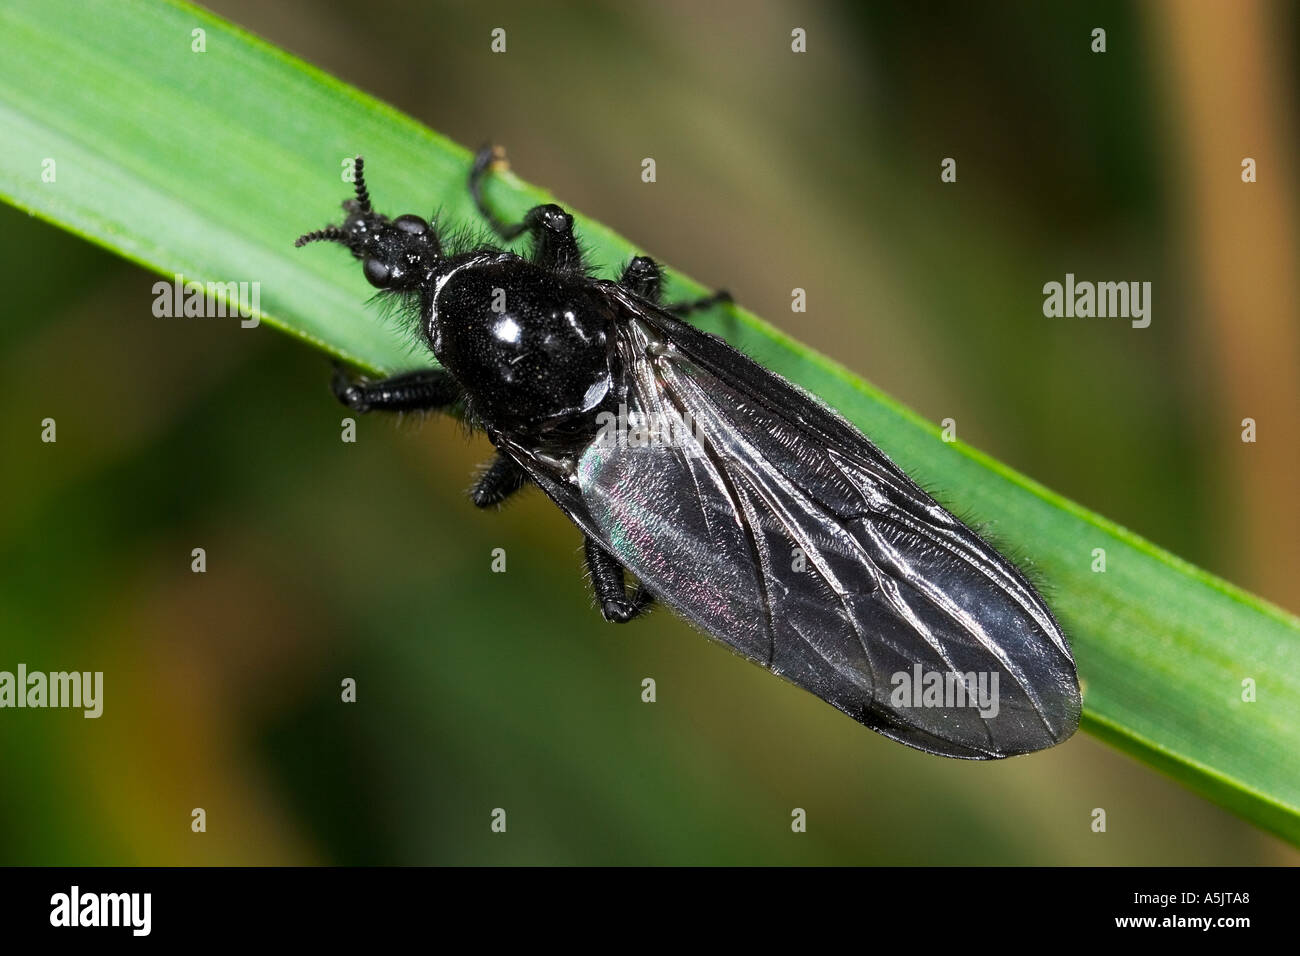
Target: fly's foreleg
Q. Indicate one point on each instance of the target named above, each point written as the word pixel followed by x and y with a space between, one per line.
pixel 607 581
pixel 412 391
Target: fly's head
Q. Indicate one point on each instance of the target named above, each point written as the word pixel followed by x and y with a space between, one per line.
pixel 397 255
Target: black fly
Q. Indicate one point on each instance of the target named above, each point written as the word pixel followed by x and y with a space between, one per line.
pixel 749 507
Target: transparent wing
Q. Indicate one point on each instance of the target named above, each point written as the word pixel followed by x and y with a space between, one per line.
pixel 774 526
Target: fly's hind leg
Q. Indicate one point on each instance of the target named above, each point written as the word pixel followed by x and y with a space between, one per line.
pixel 607 581
pixel 551 228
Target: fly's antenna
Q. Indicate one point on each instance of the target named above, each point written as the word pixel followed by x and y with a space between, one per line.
pixel 363 194
pixel 357 208
pixel 328 234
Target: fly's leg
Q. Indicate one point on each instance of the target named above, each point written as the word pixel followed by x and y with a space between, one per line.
pixel 501 479
pixel 551 228
pixel 425 390
pixel 607 581
pixel 643 276
pixel 484 160
pixel 411 391
pixel 683 309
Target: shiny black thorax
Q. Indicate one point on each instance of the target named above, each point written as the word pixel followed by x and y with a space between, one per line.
pixel 530 347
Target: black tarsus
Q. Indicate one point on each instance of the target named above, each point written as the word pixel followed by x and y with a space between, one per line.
pixel 486 158
pixel 421 390
pixel 683 309
pixel 554 245
pixel 501 479
pixel 607 581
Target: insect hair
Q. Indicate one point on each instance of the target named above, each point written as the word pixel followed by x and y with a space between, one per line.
pixel 984 528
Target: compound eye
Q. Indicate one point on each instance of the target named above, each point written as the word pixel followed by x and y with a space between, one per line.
pixel 411 224
pixel 378 273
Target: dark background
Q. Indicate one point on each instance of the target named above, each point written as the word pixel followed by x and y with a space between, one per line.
pixel 775 170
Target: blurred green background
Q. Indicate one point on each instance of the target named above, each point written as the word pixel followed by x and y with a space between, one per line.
pixel 775 170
